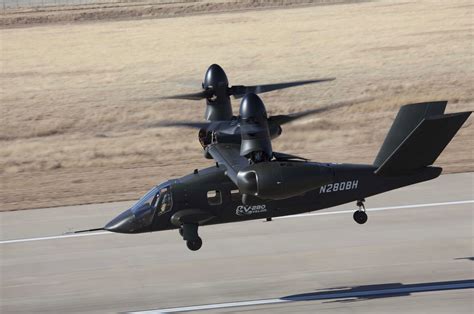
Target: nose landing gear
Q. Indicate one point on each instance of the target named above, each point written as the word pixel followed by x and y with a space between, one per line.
pixel 189 232
pixel 360 216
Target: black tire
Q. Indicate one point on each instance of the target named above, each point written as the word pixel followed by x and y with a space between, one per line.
pixel 181 231
pixel 360 217
pixel 194 245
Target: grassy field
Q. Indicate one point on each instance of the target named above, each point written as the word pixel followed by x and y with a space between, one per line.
pixel 77 119
pixel 21 13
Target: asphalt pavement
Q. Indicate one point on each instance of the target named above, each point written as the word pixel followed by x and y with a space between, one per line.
pixel 414 255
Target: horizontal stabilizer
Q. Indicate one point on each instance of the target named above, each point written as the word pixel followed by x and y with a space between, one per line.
pixel 424 144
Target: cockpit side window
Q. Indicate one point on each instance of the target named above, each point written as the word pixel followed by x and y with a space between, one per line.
pixel 165 202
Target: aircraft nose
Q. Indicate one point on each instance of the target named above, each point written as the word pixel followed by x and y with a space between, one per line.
pixel 123 223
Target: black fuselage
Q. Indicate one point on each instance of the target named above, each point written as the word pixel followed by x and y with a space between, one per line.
pixel 210 191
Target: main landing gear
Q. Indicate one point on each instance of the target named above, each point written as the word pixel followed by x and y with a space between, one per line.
pixel 360 216
pixel 189 232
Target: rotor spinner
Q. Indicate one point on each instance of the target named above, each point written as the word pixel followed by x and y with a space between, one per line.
pixel 218 104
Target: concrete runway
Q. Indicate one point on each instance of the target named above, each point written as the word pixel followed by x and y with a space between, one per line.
pixel 406 259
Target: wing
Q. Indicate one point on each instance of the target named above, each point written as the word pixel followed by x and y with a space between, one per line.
pixel 228 155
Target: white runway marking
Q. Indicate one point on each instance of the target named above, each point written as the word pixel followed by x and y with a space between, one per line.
pixel 284 217
pixel 379 209
pixel 321 296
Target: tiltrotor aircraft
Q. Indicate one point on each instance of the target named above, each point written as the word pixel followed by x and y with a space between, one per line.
pixel 251 181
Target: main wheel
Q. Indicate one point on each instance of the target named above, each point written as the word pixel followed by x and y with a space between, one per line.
pixel 195 244
pixel 360 217
pixel 181 231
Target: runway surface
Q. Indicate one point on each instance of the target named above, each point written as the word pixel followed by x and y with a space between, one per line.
pixel 415 254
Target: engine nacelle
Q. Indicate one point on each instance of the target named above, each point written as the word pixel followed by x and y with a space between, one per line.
pixel 280 180
pixel 256 140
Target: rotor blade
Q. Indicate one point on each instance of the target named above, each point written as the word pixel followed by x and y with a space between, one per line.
pixel 239 91
pixel 192 96
pixel 186 124
pixel 283 119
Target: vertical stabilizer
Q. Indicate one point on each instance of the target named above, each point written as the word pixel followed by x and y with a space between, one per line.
pixel 417 137
pixel 406 121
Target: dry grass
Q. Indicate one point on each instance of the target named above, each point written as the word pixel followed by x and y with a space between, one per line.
pixel 76 116
pixel 141 9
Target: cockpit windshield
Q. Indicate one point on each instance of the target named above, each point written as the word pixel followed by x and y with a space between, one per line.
pixel 158 198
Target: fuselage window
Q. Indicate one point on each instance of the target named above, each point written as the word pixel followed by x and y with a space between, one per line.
pixel 235 196
pixel 214 197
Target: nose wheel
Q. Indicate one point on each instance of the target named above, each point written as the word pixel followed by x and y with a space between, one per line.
pixel 189 232
pixel 360 216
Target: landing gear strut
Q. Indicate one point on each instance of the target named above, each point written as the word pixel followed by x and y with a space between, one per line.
pixel 189 232
pixel 360 216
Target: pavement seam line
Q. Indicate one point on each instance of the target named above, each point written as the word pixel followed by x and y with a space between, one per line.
pixel 12 241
